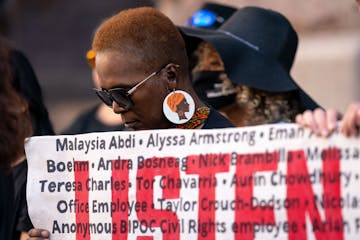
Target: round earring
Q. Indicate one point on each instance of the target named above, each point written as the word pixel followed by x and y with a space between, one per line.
pixel 178 107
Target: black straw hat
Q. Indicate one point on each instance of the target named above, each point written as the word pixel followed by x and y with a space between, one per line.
pixel 257 47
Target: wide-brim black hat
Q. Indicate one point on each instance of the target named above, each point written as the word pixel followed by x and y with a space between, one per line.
pixel 244 61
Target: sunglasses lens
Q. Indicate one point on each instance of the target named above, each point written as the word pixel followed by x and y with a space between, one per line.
pixel 121 98
pixel 105 97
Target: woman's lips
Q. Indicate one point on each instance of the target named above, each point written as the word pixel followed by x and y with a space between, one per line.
pixel 130 124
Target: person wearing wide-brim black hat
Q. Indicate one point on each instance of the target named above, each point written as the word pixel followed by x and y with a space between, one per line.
pixel 257 47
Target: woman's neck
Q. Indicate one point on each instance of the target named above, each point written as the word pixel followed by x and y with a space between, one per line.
pixel 198 102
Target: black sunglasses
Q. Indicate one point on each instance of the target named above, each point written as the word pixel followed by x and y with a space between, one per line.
pixel 120 95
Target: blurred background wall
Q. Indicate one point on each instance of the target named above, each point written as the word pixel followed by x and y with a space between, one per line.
pixel 55 35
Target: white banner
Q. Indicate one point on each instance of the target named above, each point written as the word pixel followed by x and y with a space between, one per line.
pixel 267 182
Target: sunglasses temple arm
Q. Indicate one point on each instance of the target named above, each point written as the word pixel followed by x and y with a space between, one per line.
pixel 150 76
pixel 140 83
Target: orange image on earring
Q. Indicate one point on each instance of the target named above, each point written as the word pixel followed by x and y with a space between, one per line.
pixel 177 103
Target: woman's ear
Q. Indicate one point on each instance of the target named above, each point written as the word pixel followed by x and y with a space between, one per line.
pixel 170 75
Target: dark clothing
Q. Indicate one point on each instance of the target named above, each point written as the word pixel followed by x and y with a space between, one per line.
pixel 87 122
pixel 14 217
pixel 216 120
pixel 22 219
pixel 7 216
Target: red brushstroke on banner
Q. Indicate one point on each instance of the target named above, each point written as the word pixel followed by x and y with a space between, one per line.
pixel 245 192
pixel 207 166
pixel 82 175
pixel 166 220
pixel 120 175
pixel 304 192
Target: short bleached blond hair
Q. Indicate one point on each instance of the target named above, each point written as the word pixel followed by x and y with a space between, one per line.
pixel 145 36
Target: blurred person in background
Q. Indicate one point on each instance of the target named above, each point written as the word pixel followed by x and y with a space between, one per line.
pixel 99 118
pixel 243 67
pixel 25 84
pixel 14 128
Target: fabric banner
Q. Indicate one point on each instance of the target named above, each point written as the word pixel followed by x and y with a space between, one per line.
pixel 266 182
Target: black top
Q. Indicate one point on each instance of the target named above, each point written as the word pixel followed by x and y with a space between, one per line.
pixel 87 122
pixel 14 217
pixel 7 216
pixel 216 120
pixel 22 223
